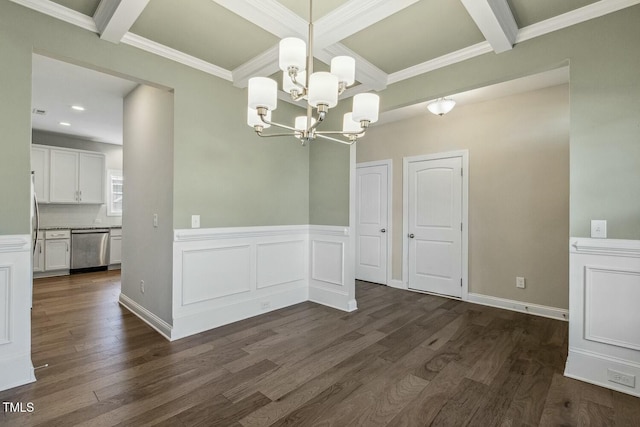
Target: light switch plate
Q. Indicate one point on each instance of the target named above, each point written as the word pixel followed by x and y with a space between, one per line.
pixel 195 221
pixel 599 228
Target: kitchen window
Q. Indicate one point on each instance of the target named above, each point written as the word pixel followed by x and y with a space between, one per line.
pixel 114 192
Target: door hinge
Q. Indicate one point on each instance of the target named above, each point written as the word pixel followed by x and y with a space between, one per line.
pixel 460 282
pixel 460 226
pixel 461 172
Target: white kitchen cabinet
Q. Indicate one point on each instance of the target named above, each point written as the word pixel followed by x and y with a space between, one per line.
pixel 38 256
pixel 115 247
pixel 76 177
pixel 57 250
pixel 40 167
pixel 91 176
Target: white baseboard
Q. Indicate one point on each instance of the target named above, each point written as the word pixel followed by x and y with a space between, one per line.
pixel 331 298
pixel 522 307
pixel 397 284
pixel 148 317
pixel 592 368
pixel 208 319
pixel 16 371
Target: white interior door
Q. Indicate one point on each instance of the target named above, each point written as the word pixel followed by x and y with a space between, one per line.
pixel 435 226
pixel 372 200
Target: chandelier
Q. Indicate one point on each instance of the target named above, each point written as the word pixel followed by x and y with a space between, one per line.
pixel 321 91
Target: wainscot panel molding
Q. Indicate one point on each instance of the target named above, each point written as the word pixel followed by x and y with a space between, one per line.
pixel 332 276
pixel 604 322
pixel 15 311
pixel 222 275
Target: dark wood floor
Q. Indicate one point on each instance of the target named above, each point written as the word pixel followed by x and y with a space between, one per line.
pixel 403 359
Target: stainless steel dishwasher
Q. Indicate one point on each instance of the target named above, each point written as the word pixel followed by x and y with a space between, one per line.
pixel 89 249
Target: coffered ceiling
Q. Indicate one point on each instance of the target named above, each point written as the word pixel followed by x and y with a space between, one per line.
pixel 392 40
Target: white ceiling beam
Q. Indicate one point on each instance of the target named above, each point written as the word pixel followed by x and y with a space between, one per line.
pixel 496 22
pixel 270 15
pixel 114 18
pixel 353 17
pixel 264 64
pixel 366 73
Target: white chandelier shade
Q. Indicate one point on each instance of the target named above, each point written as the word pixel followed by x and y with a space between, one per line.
pixel 321 90
pixel 293 54
pixel 263 93
pixel 441 106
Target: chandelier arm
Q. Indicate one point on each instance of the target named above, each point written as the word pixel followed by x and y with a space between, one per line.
pixel 292 74
pixel 340 132
pixel 263 117
pixel 272 135
pixel 320 119
pixel 335 139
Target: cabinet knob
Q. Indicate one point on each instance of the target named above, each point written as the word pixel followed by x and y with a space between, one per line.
pixel 411 236
pixel 384 230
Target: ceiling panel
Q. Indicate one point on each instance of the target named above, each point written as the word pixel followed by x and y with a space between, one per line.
pixel 203 29
pixel 320 7
pixel 527 12
pixel 87 7
pixel 426 30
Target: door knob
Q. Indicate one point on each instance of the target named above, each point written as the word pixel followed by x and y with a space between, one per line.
pixel 384 230
pixel 411 236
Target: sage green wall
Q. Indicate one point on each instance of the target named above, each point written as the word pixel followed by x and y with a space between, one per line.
pixel 605 112
pixel 518 188
pixel 221 170
pixel 147 251
pixel 329 174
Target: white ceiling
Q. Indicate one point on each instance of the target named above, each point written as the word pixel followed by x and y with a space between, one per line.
pixel 58 85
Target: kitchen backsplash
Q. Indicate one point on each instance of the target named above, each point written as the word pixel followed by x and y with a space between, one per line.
pixel 76 215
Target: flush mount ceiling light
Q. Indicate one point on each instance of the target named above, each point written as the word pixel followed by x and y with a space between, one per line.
pixel 65 124
pixel 320 90
pixel 77 107
pixel 441 106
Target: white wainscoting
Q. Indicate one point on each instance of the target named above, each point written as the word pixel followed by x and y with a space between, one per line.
pixel 604 322
pixel 332 278
pixel 15 311
pixel 223 275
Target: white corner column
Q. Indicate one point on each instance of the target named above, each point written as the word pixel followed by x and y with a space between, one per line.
pixel 604 318
pixel 15 311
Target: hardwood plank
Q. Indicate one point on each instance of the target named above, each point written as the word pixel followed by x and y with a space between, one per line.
pixel 402 359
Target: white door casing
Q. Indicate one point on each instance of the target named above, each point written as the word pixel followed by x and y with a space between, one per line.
pixel 372 221
pixel 435 218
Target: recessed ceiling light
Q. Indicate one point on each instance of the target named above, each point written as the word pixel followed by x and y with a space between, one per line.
pixel 77 107
pixel 65 124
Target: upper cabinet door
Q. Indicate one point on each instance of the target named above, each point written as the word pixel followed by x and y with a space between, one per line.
pixel 63 177
pixel 91 178
pixel 40 167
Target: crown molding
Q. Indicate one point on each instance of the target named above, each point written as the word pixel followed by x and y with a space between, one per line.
pixel 441 62
pixel 176 55
pixel 586 13
pixel 60 12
